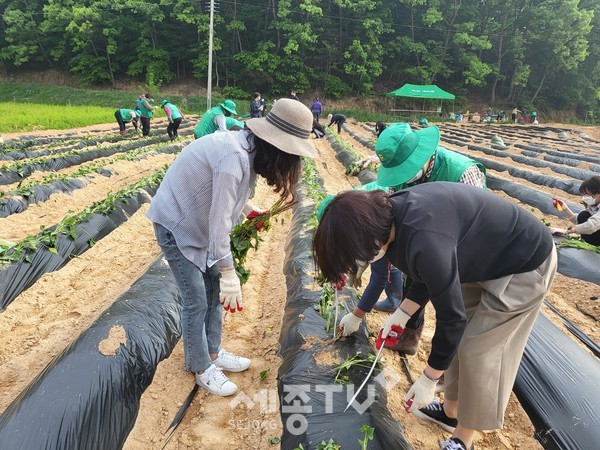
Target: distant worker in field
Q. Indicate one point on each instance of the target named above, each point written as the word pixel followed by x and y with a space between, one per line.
pixel 318 129
pixel 199 201
pixel 174 116
pixel 587 222
pixel 256 106
pixel 533 118
pixel 515 114
pixel 293 95
pixel 317 109
pixel 338 119
pixel 408 158
pixel 145 106
pixel 124 116
pixel 214 119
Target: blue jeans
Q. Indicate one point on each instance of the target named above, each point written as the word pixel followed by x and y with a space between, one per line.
pixel 202 313
pixel 379 282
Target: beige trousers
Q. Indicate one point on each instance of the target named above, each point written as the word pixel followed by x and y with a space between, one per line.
pixel 500 316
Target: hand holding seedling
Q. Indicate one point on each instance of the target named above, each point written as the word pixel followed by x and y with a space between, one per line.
pixel 349 324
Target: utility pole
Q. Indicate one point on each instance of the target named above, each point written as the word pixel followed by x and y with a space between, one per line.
pixel 210 52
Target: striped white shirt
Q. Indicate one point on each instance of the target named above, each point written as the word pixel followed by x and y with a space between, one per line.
pixel 203 193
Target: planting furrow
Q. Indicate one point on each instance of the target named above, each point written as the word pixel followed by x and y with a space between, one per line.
pixel 26 261
pixel 34 192
pixel 19 170
pixel 305 368
pixel 18 226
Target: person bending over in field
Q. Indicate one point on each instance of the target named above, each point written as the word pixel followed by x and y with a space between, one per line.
pixel 174 117
pixel 200 199
pixel 214 119
pixel 338 119
pixel 124 116
pixel 407 158
pixel 485 302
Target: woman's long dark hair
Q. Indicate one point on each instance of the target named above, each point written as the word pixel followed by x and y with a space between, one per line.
pixel 353 228
pixel 280 169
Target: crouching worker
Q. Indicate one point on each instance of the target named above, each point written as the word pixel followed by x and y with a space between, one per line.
pixel 587 222
pixel 486 301
pixel 124 116
pixel 194 210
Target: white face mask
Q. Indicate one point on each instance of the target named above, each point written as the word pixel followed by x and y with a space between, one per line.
pixel 417 177
pixel 380 254
pixel 588 200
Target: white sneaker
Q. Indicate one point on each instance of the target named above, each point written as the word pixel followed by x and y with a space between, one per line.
pixel 230 362
pixel 214 381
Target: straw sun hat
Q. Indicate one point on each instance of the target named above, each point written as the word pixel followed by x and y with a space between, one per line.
pixel 287 126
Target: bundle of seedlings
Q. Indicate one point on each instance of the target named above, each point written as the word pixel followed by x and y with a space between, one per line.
pixel 246 236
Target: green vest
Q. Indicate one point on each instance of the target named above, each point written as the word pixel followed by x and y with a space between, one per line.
pixel 126 114
pixel 207 123
pixel 231 122
pixel 448 166
pixel 175 114
pixel 145 112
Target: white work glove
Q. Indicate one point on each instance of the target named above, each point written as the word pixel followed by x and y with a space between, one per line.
pixel 349 324
pixel 399 318
pixel 355 278
pixel 421 393
pixel 231 291
pixel 249 207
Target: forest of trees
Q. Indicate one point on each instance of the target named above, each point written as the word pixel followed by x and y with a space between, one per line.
pixel 536 52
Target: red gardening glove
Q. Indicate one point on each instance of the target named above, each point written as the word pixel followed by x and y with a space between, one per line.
pixel 339 285
pixel 391 339
pixel 253 214
pixel 558 204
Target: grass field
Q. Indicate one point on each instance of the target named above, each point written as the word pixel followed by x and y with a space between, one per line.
pixel 31 116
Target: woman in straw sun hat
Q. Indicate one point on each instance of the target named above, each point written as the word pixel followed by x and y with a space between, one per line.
pixel 200 199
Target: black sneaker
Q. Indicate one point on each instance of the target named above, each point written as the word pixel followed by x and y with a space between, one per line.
pixel 434 412
pixel 455 444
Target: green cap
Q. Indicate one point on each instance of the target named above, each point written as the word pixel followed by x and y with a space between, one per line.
pixel 403 152
pixel 164 102
pixel 230 106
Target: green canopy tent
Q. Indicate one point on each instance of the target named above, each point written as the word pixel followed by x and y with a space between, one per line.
pixel 429 91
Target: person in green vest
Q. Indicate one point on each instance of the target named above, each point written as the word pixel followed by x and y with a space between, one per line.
pixel 174 116
pixel 408 158
pixel 146 108
pixel 214 119
pixel 124 116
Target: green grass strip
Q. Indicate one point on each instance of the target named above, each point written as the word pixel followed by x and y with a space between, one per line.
pixel 31 116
